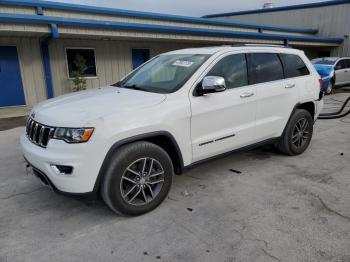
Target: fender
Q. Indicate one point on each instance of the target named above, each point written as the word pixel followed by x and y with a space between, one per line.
pixel 295 108
pixel 128 140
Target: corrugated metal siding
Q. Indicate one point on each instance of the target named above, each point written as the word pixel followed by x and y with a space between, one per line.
pixel 331 21
pixel 70 31
pixel 107 33
pixel 113 60
pixel 27 29
pixel 281 32
pixel 17 10
pixel 70 14
pixel 31 67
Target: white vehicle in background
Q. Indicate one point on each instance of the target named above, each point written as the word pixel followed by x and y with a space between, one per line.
pixel 334 72
pixel 180 108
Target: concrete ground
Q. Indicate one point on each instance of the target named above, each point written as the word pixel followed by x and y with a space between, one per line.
pixel 12 122
pixel 253 206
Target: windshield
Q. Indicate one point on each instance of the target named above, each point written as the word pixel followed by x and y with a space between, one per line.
pixel 324 61
pixel 164 73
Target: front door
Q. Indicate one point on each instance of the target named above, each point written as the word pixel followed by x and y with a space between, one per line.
pixel 224 121
pixel 11 88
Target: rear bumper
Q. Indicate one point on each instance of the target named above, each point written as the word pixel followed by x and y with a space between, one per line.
pixel 318 106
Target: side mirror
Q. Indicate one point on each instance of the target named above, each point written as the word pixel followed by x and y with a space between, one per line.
pixel 211 84
pixel 338 67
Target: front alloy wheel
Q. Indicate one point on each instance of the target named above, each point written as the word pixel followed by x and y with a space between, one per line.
pixel 142 181
pixel 138 178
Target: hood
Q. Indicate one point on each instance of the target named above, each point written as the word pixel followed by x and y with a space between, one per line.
pixel 324 70
pixel 79 109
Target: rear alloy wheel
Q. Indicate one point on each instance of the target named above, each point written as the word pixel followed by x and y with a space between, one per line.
pixel 138 178
pixel 297 134
pixel 301 133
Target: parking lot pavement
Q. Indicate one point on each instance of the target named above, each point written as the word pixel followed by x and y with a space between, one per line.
pixel 253 206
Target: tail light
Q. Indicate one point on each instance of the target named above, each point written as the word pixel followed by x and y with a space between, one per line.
pixel 321 92
pixel 321 82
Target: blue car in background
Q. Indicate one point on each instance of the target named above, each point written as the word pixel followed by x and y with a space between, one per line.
pixel 334 72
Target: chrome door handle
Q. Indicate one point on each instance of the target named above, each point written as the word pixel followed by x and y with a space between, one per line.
pixel 247 94
pixel 290 86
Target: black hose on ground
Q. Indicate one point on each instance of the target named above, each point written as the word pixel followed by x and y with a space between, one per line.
pixel 335 115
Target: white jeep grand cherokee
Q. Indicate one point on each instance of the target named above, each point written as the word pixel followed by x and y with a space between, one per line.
pixel 127 140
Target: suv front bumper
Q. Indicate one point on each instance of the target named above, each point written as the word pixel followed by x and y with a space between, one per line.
pixel 85 165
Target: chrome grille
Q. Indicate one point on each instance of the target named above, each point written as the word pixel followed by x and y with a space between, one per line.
pixel 38 133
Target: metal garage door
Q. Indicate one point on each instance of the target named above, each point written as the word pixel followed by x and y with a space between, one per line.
pixel 11 88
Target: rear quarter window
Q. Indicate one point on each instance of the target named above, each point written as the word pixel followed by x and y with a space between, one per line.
pixel 293 66
pixel 264 67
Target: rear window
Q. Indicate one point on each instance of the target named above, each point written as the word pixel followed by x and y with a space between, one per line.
pixel 324 61
pixel 293 66
pixel 264 67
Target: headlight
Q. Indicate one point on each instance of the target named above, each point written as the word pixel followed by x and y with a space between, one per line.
pixel 73 135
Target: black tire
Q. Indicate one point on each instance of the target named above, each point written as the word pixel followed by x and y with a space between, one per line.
pixel 117 181
pixel 290 139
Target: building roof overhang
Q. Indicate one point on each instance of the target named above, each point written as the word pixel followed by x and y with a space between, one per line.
pixel 42 5
pixel 166 29
pixel 278 9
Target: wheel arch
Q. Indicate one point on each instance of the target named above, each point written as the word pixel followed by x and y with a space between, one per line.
pixel 308 106
pixel 161 138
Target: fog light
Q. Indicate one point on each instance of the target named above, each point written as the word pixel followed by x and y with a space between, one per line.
pixel 62 170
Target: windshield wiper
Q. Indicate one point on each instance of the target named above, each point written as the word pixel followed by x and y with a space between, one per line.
pixel 135 87
pixel 117 84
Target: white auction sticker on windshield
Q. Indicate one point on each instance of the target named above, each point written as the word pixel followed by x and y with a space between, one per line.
pixel 182 63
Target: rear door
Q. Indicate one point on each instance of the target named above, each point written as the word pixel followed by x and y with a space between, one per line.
pixel 347 71
pixel 276 96
pixel 341 72
pixel 296 71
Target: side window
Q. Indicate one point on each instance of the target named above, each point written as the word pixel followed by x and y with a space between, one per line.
pixel 264 67
pixel 340 65
pixel 233 68
pixel 293 66
pixel 347 61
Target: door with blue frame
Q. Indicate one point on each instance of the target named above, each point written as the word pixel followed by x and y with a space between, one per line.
pixel 11 87
pixel 139 56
